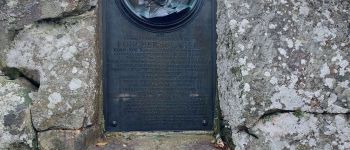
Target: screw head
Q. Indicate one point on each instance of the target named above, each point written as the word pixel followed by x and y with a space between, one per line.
pixel 204 122
pixel 114 123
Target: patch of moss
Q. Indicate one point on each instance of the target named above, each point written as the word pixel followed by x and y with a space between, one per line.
pixel 12 73
pixel 298 113
pixel 226 135
pixel 35 142
pixel 19 146
pixel 1 65
pixel 236 71
pixel 221 126
pixel 27 99
pixel 217 115
pixel 268 118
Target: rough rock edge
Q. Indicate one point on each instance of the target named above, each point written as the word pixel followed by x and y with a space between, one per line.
pixel 246 128
pixel 75 12
pixel 29 117
pixel 269 113
pixel 57 19
pixel 87 134
pixel 68 139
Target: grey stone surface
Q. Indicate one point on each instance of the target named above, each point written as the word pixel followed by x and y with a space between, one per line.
pixel 67 139
pixel 156 141
pixel 283 56
pixel 63 54
pixel 16 131
pixel 16 14
pixel 300 132
pixel 52 43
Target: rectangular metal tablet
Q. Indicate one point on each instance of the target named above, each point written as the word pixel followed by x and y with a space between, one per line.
pixel 159 75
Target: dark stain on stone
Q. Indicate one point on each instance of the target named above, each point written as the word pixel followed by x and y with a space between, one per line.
pixel 2 3
pixel 14 120
pixel 247 130
pixel 15 73
pixel 10 119
pixel 12 73
pixel 59 36
pixel 20 146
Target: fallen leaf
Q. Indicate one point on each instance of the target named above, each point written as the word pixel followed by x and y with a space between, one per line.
pixel 101 143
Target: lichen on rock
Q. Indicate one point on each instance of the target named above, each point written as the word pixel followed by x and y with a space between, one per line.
pixel 65 99
pixel 67 139
pixel 16 131
pixel 47 50
pixel 282 56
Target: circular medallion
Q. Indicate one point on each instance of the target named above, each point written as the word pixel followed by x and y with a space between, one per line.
pixel 160 15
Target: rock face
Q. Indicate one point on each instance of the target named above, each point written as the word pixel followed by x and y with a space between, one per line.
pixel 283 73
pixel 67 139
pixel 304 131
pixel 16 131
pixel 15 14
pixel 53 45
pixel 279 59
pixel 63 54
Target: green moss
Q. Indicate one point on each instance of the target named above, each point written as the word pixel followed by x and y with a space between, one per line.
pixel 298 113
pixel 226 135
pixel 25 93
pixel 303 147
pixel 236 71
pixel 221 126
pixel 268 118
pixel 35 142
pixel 1 65
pixel 217 119
pixel 12 73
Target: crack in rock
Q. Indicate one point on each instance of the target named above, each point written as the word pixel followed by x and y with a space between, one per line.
pixel 273 112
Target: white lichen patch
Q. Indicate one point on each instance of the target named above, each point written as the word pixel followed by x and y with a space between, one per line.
pixel 74 70
pixel 13 99
pixel 274 80
pixel 329 82
pixel 75 84
pixel 343 64
pixel 324 70
pixel 323 33
pixel 71 51
pixel 304 9
pixel 288 97
pixel 246 87
pixel 289 42
pixel 298 44
pixel 12 3
pixel 272 26
pixel 54 99
pixel 242 26
pixel 344 84
pixel 283 52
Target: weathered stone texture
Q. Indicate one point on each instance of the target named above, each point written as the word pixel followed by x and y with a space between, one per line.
pixel 67 139
pixel 51 43
pixel 300 132
pixel 284 56
pixel 64 55
pixel 16 131
pixel 15 14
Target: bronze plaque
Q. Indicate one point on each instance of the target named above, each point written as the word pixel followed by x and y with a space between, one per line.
pixel 159 64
